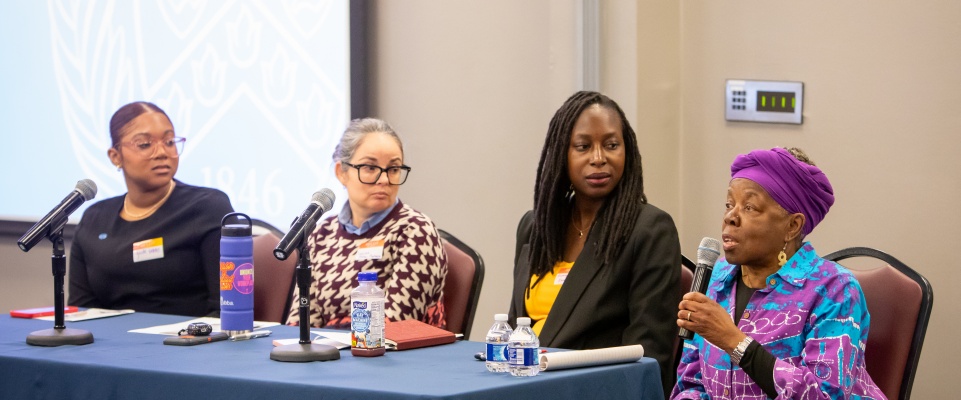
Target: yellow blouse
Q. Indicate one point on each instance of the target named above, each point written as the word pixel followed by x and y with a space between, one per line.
pixel 542 295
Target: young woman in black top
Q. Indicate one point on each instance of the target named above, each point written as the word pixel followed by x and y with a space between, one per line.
pixel 157 247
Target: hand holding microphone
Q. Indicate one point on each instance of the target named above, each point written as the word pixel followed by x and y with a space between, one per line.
pixel 56 218
pixel 707 253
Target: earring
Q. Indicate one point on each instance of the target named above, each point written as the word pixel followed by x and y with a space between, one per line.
pixel 118 167
pixel 782 257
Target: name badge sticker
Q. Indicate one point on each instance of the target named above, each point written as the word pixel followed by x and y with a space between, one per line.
pixel 150 249
pixel 561 276
pixel 371 250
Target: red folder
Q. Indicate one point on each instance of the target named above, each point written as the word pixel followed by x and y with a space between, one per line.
pixel 412 334
pixel 39 312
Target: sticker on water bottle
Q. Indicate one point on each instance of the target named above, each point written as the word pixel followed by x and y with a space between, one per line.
pixel 243 279
pixel 226 275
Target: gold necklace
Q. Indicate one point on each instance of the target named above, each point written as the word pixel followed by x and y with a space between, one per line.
pixel 153 208
pixel 580 233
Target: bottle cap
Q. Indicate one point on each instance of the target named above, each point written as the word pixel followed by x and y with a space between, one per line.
pixel 236 230
pixel 367 276
pixel 500 317
pixel 523 321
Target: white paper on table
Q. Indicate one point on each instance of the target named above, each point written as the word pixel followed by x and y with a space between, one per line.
pixel 340 340
pixel 588 358
pixel 90 313
pixel 173 329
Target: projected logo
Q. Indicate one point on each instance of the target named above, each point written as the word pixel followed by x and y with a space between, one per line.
pixel 258 88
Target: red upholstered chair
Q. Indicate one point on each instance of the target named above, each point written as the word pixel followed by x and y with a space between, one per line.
pixel 273 279
pixel 899 301
pixel 687 279
pixel 462 286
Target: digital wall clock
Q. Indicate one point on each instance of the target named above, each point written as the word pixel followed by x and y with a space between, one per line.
pixel 764 101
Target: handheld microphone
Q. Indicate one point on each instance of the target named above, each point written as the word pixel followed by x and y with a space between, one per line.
pixel 320 202
pixel 57 218
pixel 707 254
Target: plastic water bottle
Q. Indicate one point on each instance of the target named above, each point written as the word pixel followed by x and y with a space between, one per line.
pixel 367 317
pixel 236 275
pixel 497 338
pixel 523 348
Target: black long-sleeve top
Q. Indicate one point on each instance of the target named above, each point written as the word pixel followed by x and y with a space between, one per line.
pixel 184 281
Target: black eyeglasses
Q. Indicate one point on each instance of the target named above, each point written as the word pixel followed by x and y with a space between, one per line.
pixel 370 174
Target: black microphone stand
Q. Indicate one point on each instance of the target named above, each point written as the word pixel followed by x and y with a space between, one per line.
pixel 304 350
pixel 60 334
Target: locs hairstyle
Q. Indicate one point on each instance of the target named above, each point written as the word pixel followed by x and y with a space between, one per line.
pixel 552 201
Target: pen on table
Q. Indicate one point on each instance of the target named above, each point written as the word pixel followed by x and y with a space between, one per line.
pixel 250 335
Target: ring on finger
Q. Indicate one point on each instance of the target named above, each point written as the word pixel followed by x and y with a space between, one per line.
pixel 689 315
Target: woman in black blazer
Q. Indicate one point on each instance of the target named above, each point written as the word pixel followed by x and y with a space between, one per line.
pixel 595 264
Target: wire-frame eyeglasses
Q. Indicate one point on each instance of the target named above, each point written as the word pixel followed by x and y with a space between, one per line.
pixel 146 147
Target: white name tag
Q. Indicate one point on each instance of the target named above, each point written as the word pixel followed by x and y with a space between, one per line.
pixel 561 276
pixel 150 249
pixel 372 250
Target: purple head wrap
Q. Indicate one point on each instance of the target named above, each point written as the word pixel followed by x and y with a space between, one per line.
pixel 798 187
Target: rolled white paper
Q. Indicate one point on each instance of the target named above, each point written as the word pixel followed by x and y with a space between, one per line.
pixel 588 358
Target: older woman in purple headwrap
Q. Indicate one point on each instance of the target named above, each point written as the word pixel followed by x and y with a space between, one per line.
pixel 777 320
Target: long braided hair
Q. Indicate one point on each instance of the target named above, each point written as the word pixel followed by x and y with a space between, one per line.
pixel 553 196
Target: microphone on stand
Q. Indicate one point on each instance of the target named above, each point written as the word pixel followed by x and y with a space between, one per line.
pixel 321 202
pixel 57 218
pixel 707 253
pixel 51 227
pixel 296 239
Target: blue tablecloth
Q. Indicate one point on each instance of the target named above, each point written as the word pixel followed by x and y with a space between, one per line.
pixel 131 365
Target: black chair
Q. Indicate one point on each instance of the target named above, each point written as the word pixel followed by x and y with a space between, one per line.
pixel 462 285
pixel 687 279
pixel 273 279
pixel 899 300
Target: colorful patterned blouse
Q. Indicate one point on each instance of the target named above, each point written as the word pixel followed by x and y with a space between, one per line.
pixel 811 316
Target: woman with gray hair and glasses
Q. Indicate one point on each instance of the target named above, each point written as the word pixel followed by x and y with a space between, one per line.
pixel 375 231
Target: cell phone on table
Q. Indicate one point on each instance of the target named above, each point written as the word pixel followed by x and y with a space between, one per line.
pixel 191 340
pixel 40 312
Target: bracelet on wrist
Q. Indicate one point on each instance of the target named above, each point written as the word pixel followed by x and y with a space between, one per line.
pixel 738 353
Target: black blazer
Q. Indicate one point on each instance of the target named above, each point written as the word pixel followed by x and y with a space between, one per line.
pixel 632 300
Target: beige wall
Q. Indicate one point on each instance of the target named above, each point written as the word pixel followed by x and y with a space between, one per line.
pixel 26 279
pixel 471 87
pixel 881 118
pixel 658 77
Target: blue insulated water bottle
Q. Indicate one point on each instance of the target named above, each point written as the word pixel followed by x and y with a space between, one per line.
pixel 236 274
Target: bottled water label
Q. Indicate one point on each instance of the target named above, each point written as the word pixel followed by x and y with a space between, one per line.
pixel 523 357
pixel 497 344
pixel 497 352
pixel 363 314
